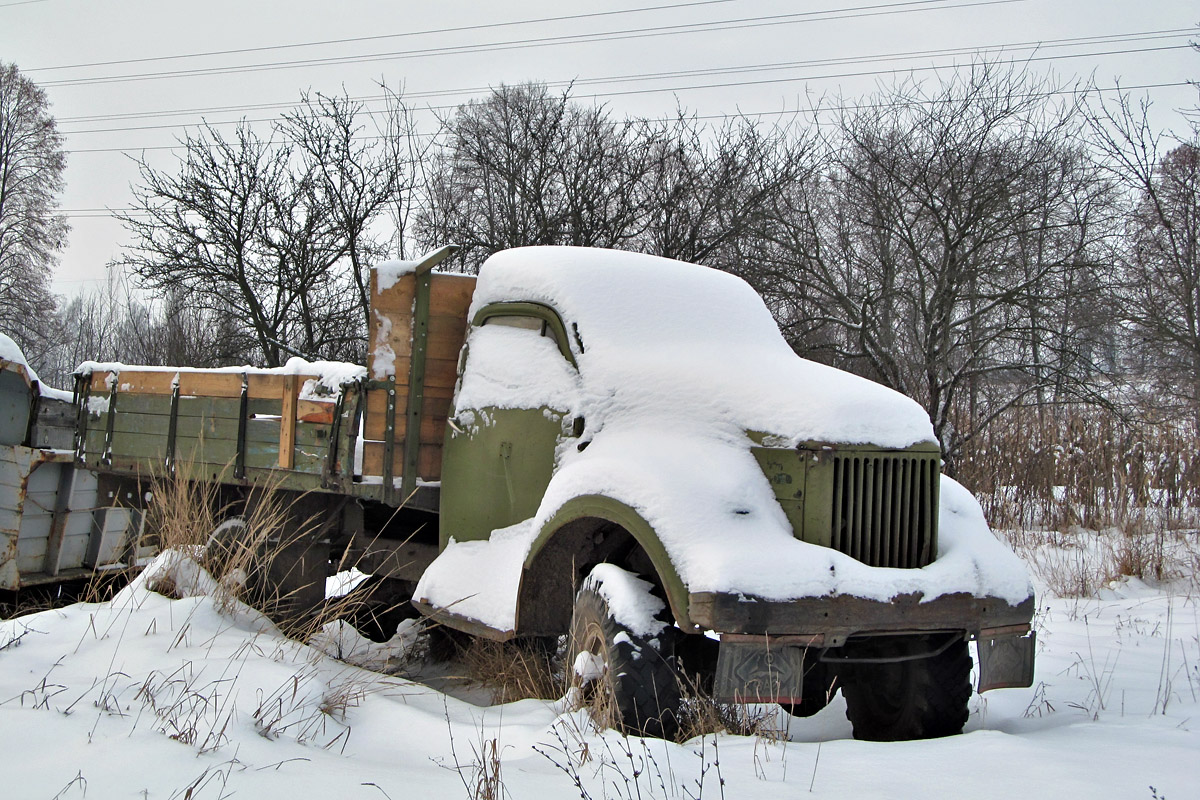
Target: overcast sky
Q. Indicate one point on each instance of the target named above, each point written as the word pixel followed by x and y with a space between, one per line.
pixel 127 76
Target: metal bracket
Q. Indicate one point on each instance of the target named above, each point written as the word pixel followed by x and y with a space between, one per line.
pixel 239 470
pixel 106 453
pixel 331 458
pixel 389 442
pixel 83 394
pixel 172 429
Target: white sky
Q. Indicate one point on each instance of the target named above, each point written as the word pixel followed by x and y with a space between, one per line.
pixel 62 43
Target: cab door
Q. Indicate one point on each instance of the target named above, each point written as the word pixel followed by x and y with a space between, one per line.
pixel 515 406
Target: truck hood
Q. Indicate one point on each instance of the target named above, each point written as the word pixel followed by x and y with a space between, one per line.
pixel 661 343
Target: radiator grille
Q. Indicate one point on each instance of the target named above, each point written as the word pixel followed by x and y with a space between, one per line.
pixel 885 508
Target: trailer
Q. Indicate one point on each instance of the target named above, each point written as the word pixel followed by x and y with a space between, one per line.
pixel 57 523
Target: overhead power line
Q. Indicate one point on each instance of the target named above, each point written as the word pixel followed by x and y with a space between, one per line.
pixel 698 73
pixel 1039 45
pixel 547 41
pixel 379 37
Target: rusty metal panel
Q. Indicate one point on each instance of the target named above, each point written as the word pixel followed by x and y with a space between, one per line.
pixel 754 672
pixel 15 463
pixel 1006 662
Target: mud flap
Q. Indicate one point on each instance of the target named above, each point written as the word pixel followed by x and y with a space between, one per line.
pixel 752 672
pixel 1006 662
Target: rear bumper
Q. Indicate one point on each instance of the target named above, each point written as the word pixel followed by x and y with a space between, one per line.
pixel 828 621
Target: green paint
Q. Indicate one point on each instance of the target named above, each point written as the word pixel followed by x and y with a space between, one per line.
pixel 495 472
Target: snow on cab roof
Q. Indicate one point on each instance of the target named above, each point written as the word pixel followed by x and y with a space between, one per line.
pixel 690 344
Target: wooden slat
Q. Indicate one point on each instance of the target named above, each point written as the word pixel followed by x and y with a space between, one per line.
pixel 435 402
pixel 440 373
pixel 445 341
pixel 149 439
pixel 145 454
pixel 395 301
pixel 429 461
pixel 220 407
pixel 448 294
pixel 258 429
pixel 287 424
pixel 375 422
pixel 451 294
pixel 433 428
pixel 315 411
pixel 199 384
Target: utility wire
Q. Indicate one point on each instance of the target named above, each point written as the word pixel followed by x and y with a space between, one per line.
pixel 403 34
pixel 1009 46
pixel 544 41
pixel 626 92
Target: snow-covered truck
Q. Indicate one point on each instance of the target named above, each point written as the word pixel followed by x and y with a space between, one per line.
pixel 615 448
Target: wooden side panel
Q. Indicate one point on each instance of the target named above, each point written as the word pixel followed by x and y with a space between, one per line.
pixel 391 335
pixel 429 462
pixel 433 422
pixel 450 294
pixel 282 431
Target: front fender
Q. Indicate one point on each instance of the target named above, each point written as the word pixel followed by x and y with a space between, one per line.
pixel 600 507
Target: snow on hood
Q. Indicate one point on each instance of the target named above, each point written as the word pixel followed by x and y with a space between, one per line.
pixel 715 513
pixel 689 345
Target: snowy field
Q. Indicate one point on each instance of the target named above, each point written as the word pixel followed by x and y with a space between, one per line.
pixel 148 697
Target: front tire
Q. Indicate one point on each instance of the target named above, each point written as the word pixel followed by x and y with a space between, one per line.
pixel 920 698
pixel 622 670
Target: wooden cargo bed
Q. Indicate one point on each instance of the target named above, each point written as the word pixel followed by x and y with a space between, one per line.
pixel 294 429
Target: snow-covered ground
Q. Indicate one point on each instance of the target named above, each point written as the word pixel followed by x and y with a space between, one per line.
pixel 148 697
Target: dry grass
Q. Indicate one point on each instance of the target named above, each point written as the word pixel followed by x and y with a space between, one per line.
pixel 250 548
pixel 519 670
pixel 243 545
pixel 701 715
pixel 1084 466
pixel 1089 496
pixel 513 670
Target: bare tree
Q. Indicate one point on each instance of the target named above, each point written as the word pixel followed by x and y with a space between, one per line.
pixel 710 192
pixel 202 232
pixel 1159 254
pixel 525 167
pixel 32 162
pixel 352 176
pixel 943 232
pixel 272 234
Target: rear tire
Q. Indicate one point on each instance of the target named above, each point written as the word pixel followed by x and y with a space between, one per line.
pixel 626 679
pixel 924 698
